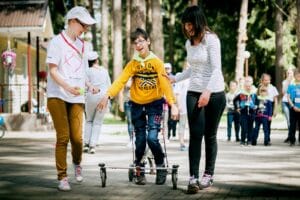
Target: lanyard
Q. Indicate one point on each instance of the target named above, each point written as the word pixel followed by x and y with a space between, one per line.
pixel 77 51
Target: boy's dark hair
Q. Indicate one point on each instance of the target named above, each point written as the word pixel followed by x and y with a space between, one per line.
pixel 138 32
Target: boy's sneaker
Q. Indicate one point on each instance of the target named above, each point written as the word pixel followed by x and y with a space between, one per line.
pixel 64 185
pixel 86 148
pixel 140 178
pixel 206 181
pixel 92 150
pixel 78 173
pixel 161 175
pixel 193 186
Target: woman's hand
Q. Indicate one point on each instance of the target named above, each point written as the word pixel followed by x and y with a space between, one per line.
pixel 204 98
pixel 76 91
pixel 103 103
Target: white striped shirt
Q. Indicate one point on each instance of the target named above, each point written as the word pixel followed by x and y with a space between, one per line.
pixel 205 65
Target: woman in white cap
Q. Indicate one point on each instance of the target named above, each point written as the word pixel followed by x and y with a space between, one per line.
pixel 66 58
pixel 97 76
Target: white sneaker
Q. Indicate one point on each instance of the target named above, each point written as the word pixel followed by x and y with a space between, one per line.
pixel 64 185
pixel 206 181
pixel 92 150
pixel 78 173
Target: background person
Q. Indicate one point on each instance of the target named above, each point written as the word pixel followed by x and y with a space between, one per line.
pixel 285 103
pixel 98 77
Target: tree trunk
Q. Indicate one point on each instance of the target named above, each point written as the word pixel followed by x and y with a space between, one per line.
pixel 117 41
pixel 241 43
pixel 157 38
pixel 128 42
pixel 93 29
pixel 104 34
pixel 171 32
pixel 279 62
pixel 298 32
pixel 138 9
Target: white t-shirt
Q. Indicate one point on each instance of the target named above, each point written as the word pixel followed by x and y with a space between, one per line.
pixel 71 61
pixel 99 77
pixel 272 92
pixel 180 91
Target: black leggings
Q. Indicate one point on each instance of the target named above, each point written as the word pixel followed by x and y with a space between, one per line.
pixel 204 122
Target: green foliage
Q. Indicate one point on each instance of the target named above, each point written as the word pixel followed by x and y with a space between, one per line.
pixel 58 11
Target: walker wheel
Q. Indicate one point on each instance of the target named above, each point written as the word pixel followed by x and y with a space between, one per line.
pixel 131 172
pixel 175 176
pixel 103 174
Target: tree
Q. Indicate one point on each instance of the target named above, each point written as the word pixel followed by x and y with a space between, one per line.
pixel 94 31
pixel 128 42
pixel 278 44
pixel 242 38
pixel 117 41
pixel 104 34
pixel 298 32
pixel 138 17
pixel 171 26
pixel 157 30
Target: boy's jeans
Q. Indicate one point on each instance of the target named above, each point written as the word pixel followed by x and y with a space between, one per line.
pixel 233 117
pixel 146 121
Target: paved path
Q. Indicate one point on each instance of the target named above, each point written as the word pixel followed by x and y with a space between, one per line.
pixel 27 170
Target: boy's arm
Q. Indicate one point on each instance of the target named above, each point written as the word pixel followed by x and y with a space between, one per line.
pixel 115 88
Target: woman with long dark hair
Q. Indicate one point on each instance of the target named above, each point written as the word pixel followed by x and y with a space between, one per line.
pixel 205 97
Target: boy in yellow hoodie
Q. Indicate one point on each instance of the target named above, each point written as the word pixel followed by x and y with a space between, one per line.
pixel 149 86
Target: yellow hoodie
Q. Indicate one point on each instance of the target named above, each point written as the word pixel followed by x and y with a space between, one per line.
pixel 149 80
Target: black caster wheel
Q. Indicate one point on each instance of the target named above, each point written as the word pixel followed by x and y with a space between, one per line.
pixel 131 172
pixel 103 174
pixel 175 176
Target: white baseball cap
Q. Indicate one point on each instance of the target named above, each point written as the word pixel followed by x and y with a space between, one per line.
pixel 92 55
pixel 82 14
pixel 168 66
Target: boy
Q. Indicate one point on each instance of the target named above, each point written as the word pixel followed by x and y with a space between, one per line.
pixel 149 85
pixel 293 92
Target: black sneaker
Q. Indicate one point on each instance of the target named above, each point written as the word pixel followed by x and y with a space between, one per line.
pixel 140 178
pixel 161 175
pixel 193 186
pixel 287 140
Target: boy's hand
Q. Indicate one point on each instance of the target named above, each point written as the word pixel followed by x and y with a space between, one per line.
pixel 174 112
